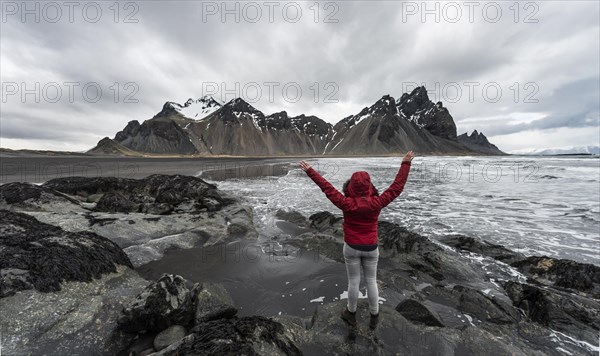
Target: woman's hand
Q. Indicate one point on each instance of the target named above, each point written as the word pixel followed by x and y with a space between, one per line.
pixel 408 156
pixel 305 166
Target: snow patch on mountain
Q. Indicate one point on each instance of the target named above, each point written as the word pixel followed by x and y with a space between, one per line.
pixel 198 109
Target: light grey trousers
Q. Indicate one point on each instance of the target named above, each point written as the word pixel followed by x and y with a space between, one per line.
pixel 368 260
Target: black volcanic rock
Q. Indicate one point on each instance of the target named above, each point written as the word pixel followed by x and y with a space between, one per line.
pixel 467 243
pixel 583 277
pixel 479 143
pixel 434 118
pixel 212 302
pixel 35 255
pixel 157 193
pixel 292 216
pixel 113 202
pixel 324 220
pixel 250 335
pixel 31 196
pixel 401 240
pixel 485 307
pixel 565 312
pixel 86 186
pixel 163 303
pixel 416 311
pixel 480 306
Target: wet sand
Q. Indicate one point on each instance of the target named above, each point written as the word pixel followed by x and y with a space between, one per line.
pixel 38 169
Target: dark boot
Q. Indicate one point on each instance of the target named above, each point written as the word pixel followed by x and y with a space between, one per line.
pixel 374 321
pixel 349 317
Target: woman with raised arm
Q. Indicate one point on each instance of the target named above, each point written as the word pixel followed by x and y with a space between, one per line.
pixel 361 205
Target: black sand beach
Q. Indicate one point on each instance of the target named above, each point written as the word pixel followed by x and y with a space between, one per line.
pixel 38 168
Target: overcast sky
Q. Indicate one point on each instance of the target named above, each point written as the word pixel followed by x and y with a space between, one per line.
pixel 526 75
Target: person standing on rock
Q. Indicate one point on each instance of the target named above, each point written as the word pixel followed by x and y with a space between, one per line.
pixel 361 205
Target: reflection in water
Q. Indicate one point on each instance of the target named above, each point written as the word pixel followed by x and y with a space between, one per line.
pixel 262 279
pixel 259 281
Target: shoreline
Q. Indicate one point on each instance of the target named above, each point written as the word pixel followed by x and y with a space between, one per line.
pixel 39 169
pixel 7 152
pixel 28 153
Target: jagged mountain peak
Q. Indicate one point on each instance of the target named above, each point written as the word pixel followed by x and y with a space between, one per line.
pixel 385 98
pixel 277 116
pixel 239 105
pixel 193 108
pixel 384 107
pixel 475 136
pixel 435 118
pixel 420 92
pixel 131 129
pixel 238 108
pixel 479 143
pixel 309 124
pixel 417 97
pixel 204 101
pixel 210 99
pixel 305 117
pixel 384 104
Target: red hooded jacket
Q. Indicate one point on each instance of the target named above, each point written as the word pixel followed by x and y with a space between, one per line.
pixel 361 207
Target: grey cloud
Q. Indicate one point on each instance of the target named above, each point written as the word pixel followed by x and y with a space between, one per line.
pixel 573 105
pixel 370 52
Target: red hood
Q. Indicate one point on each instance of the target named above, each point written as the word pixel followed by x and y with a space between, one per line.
pixel 360 185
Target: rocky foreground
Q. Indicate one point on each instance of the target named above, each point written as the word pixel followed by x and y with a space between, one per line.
pixel 68 285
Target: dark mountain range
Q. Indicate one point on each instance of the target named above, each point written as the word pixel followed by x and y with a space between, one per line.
pixel 384 129
pixel 478 142
pixel 157 135
pixel 434 118
pixel 208 127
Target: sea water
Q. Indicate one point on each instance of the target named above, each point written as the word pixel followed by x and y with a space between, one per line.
pixel 534 205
